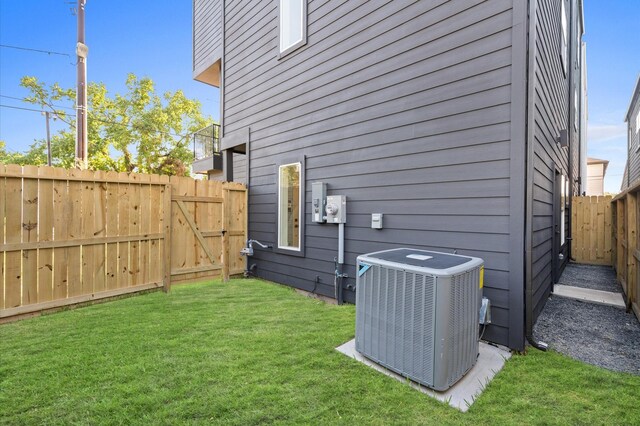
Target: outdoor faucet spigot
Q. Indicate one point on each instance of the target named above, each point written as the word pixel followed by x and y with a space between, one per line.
pixel 248 250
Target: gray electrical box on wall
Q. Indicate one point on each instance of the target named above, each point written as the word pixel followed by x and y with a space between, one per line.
pixel 336 209
pixel 318 201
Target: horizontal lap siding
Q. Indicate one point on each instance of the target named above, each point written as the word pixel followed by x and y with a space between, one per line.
pixel 550 116
pixel 207 33
pixel 402 107
pixel 633 135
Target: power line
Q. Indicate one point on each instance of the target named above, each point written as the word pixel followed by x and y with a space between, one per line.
pixel 95 119
pixel 48 52
pixel 23 100
pixel 29 109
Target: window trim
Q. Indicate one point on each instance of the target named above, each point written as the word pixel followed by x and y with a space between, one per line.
pixel 305 24
pixel 292 251
pixel 565 22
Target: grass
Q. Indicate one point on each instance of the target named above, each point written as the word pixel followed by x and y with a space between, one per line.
pixel 251 352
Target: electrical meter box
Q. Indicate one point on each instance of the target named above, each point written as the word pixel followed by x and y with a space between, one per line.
pixel 336 209
pixel 318 201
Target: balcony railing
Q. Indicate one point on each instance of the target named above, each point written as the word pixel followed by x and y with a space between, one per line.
pixel 206 142
pixel 206 149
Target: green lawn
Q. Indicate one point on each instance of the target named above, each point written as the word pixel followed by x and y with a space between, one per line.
pixel 251 352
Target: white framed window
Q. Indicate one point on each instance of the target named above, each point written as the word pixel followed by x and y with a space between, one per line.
pixel 293 25
pixel 564 22
pixel 290 205
pixel 638 122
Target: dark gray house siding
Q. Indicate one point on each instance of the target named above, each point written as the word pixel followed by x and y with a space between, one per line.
pixel 417 110
pixel 404 108
pixel 633 137
pixel 239 170
pixel 553 110
pixel 207 34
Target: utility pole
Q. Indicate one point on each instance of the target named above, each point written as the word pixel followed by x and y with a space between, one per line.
pixel 81 95
pixel 47 116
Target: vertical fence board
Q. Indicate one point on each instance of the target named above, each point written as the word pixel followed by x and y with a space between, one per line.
pixel 179 229
pixel 29 235
pixel 225 235
pixel 134 229
pixel 112 200
pixel 124 278
pixel 62 217
pixel 623 244
pixel 214 189
pixel 165 248
pixel 156 212
pixel 13 224
pixel 75 232
pixel 202 220
pixel 192 244
pixel 631 242
pixel 145 217
pixel 45 233
pixel 608 232
pixel 99 231
pixel 88 229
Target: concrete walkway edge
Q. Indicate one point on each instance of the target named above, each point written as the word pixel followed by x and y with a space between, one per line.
pixel 589 295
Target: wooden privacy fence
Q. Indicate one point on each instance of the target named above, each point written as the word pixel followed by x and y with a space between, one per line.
pixel 71 236
pixel 626 249
pixel 591 230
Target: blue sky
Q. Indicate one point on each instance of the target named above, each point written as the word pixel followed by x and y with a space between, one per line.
pixel 613 64
pixel 148 38
pixel 153 38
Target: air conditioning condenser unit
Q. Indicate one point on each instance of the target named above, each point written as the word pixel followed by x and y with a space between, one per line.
pixel 417 313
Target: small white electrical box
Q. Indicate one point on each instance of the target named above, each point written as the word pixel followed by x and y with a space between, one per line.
pixel 376 220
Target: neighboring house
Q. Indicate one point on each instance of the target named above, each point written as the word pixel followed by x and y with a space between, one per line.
pixel 460 121
pixel 596 170
pixel 632 170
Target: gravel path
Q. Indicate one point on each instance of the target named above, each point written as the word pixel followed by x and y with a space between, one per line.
pixel 591 276
pixel 600 335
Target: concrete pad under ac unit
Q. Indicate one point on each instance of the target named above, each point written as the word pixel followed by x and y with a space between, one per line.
pixel 465 391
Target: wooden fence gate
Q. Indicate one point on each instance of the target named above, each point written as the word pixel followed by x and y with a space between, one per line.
pixel 591 230
pixel 208 225
pixel 72 236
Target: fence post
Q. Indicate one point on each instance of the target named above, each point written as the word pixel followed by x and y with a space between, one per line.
pixel 631 240
pixel 619 238
pixel 226 200
pixel 167 238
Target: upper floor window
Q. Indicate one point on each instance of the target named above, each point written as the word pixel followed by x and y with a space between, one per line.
pixel 564 22
pixel 293 24
pixel 638 123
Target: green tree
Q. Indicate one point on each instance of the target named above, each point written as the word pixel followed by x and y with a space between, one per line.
pixel 138 131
